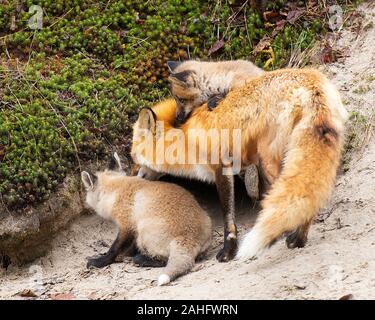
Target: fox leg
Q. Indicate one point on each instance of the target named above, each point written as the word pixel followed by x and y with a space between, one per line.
pixel 123 239
pixel 304 185
pixel 225 188
pixel 146 261
pixel 298 238
pixel 181 260
pixel 214 100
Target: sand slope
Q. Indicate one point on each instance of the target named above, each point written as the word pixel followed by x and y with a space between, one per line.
pixel 339 258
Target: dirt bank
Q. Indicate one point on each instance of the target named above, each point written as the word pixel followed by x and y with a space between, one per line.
pixel 339 258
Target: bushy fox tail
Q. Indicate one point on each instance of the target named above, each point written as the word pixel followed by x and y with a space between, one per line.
pixel 305 183
pixel 180 261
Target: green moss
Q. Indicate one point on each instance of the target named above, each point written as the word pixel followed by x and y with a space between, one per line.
pixel 69 91
pixel 357 129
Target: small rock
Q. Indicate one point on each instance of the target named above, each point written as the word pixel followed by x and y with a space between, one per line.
pixel 347 297
pixel 27 293
pixel 63 296
pixel 300 287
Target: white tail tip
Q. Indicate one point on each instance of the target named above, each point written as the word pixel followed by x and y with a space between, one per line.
pixel 163 280
pixel 250 246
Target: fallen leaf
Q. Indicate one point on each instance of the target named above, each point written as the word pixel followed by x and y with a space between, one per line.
pixel 327 54
pixel 63 296
pixel 216 46
pixel 272 16
pixel 347 297
pixel 279 26
pixel 294 15
pixel 262 44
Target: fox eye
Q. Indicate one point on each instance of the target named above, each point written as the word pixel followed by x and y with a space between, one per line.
pixel 182 101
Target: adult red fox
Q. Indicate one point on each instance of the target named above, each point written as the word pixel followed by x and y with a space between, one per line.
pixel 292 120
pixel 162 220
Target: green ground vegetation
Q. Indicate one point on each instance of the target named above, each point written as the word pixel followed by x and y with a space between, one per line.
pixel 69 91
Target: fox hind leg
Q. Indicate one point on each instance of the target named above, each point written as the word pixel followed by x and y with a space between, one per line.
pixel 298 238
pixel 146 261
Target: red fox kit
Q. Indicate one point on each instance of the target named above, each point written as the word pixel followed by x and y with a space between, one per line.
pixel 196 82
pixel 163 220
pixel 292 120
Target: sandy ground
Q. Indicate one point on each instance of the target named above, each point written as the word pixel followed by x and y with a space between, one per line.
pixel 338 259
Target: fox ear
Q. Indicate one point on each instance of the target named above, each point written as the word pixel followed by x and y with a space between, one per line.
pixel 183 78
pixel 172 65
pixel 118 160
pixel 147 119
pixel 88 182
pixel 115 162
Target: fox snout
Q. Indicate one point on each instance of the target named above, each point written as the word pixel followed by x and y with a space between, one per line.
pixel 182 113
pixel 180 118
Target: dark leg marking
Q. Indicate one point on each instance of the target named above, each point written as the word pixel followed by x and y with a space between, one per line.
pixel 133 251
pixel 213 101
pixel 225 188
pixel 298 238
pixel 108 258
pixel 145 261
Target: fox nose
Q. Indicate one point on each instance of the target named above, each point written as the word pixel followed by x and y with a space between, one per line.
pixel 180 118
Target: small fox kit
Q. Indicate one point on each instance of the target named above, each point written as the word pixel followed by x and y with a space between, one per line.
pixel 196 82
pixel 163 221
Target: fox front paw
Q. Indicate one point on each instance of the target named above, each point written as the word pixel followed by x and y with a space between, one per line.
pixel 100 262
pixel 228 252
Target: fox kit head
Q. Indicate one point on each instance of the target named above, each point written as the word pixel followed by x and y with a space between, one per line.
pixel 194 83
pixel 95 183
pixel 186 87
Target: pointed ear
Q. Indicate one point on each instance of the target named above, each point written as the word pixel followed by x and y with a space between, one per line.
pixel 87 180
pixel 115 162
pixel 147 119
pixel 172 65
pixel 183 78
pixel 118 161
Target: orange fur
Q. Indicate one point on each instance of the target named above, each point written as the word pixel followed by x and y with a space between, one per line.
pixel 294 121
